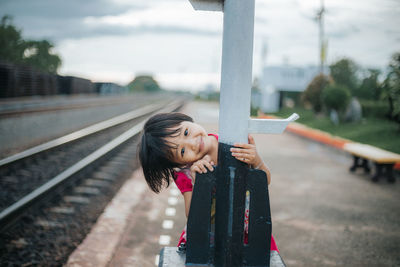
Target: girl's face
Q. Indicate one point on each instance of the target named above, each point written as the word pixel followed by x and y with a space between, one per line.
pixel 192 143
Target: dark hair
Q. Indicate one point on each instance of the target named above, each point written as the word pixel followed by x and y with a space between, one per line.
pixel 155 151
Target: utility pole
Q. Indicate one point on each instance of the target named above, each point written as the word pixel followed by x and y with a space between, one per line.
pixel 322 43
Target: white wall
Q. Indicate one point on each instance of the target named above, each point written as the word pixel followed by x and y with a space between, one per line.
pixel 288 78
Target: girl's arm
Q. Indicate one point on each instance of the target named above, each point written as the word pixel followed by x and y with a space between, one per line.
pixel 187 197
pixel 247 153
pixel 201 166
pixel 264 168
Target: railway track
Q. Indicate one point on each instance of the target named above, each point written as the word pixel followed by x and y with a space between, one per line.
pixel 14 108
pixel 51 194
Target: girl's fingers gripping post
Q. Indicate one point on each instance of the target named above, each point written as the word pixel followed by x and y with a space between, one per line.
pixel 251 140
pixel 238 154
pixel 243 146
pixel 240 150
pixel 209 165
pixel 202 167
pixel 245 152
pixel 195 169
pixel 205 165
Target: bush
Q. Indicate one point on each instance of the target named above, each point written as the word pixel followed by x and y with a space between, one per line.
pixel 336 97
pixel 312 94
pixel 296 97
pixel 370 87
pixel 144 83
pixel 391 88
pixel 372 108
pixel 253 111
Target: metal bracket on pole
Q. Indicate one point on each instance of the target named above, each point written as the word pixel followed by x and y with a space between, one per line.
pixel 270 126
pixel 208 5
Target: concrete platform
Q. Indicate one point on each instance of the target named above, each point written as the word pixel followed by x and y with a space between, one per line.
pixel 322 215
pixel 170 258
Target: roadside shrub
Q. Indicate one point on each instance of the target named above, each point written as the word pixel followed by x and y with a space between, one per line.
pixel 391 88
pixel 370 87
pixel 372 108
pixel 312 94
pixel 336 97
pixel 144 83
pixel 253 111
pixel 292 96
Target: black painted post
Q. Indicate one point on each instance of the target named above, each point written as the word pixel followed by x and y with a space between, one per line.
pixel 230 207
pixel 231 179
pixel 257 251
pixel 200 244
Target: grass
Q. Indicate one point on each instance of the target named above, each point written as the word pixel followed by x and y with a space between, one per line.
pixel 374 131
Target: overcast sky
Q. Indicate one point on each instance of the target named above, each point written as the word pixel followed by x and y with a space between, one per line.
pixel 114 40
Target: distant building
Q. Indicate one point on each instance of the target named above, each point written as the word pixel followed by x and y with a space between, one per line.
pixel 110 88
pixel 267 99
pixel 278 79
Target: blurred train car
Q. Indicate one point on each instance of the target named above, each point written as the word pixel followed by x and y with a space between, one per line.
pixel 21 80
pixel 69 85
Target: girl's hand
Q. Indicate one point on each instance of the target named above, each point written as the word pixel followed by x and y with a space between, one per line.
pixel 247 153
pixel 201 166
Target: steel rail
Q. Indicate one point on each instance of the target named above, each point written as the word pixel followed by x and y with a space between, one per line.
pixel 16 209
pixel 81 133
pixel 39 108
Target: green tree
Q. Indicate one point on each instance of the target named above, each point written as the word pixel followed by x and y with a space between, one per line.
pixel 336 97
pixel 370 87
pixel 312 94
pixel 38 54
pixel 344 72
pixel 14 49
pixel 144 83
pixel 391 87
pixel 12 46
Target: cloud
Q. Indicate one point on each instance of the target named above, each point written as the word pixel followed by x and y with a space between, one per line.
pixel 60 10
pixel 58 20
pixel 102 38
pixel 72 29
pixel 178 17
pixel 152 53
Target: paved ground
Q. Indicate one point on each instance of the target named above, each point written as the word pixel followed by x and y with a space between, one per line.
pixel 322 215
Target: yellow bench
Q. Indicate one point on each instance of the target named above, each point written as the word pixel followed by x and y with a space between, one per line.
pixel 383 160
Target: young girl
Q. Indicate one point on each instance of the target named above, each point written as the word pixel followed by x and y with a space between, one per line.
pixel 174 146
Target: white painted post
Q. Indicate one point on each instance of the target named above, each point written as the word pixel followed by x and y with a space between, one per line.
pixel 236 71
